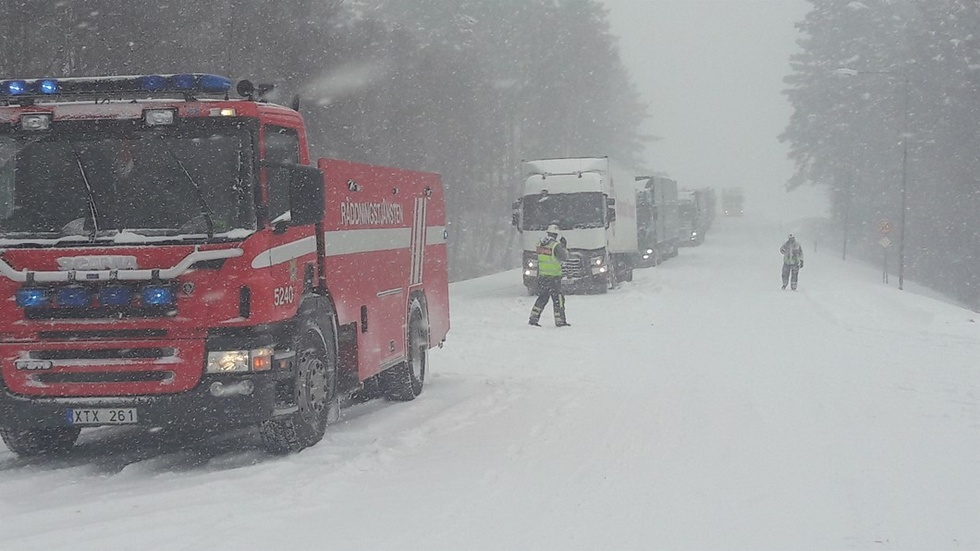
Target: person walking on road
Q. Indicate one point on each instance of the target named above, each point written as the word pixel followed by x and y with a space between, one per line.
pixel 792 261
pixel 551 252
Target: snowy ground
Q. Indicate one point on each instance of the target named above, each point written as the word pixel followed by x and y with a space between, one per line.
pixel 698 407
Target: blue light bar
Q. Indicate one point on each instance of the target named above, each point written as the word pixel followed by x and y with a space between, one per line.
pixel 157 296
pixel 153 83
pixel 183 82
pixel 32 298
pixel 186 85
pixel 215 84
pixel 73 297
pixel 115 295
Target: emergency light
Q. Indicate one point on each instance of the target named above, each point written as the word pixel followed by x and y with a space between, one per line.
pixel 115 295
pixel 157 296
pixel 73 297
pixel 184 84
pixel 32 298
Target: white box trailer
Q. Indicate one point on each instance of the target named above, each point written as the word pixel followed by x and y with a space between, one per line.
pixel 593 201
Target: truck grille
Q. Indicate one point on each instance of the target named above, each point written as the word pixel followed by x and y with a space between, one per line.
pixel 574 267
pixel 105 377
pixel 102 368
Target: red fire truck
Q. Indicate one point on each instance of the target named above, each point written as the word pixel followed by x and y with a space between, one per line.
pixel 170 257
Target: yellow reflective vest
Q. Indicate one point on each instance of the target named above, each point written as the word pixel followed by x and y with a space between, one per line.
pixel 548 263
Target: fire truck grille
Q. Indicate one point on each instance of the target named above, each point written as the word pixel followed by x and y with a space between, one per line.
pixel 107 334
pixel 105 377
pixel 104 354
pixel 96 313
pixel 574 267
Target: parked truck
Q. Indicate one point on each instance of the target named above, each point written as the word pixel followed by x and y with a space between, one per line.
pixel 657 219
pixel 691 228
pixel 172 258
pixel 593 201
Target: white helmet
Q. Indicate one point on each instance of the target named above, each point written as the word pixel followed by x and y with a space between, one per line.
pixel 553 229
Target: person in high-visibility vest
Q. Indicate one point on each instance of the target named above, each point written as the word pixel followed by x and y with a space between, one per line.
pixel 792 261
pixel 551 252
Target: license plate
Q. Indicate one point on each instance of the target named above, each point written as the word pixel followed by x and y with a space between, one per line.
pixel 102 416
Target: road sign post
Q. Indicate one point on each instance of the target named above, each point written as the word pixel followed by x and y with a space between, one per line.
pixel 885 243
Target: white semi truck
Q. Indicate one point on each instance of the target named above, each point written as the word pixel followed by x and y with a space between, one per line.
pixel 593 201
pixel 658 220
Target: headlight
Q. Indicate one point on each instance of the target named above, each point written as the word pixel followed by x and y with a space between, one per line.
pixel 532 264
pixel 649 251
pixel 597 261
pixel 239 361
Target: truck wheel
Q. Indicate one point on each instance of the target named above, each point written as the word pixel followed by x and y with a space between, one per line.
pixel 316 396
pixel 404 381
pixel 34 442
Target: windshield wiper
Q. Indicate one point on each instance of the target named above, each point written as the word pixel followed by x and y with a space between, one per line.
pixel 89 193
pixel 201 200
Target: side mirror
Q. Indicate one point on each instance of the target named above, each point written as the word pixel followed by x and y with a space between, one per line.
pixel 306 195
pixel 515 215
pixel 610 210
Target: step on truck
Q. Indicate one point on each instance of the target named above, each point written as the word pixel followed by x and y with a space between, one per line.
pixel 593 201
pixel 170 258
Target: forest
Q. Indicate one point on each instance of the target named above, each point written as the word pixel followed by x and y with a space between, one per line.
pixel 886 98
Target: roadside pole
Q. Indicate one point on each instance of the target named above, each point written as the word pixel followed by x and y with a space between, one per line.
pixel 884 227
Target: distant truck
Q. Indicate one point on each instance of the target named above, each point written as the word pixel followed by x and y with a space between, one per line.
pixel 732 201
pixel 593 201
pixel 697 212
pixel 690 232
pixel 657 220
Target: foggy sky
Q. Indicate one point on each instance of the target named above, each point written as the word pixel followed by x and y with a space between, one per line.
pixel 712 73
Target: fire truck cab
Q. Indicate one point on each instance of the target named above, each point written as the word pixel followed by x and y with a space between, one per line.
pixel 171 257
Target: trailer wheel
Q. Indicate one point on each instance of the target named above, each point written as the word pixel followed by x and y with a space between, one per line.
pixel 404 381
pixel 317 399
pixel 35 442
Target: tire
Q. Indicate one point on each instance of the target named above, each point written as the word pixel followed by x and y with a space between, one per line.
pixel 403 382
pixel 317 398
pixel 36 442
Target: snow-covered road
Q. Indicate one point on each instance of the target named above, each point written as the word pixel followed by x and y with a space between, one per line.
pixel 698 407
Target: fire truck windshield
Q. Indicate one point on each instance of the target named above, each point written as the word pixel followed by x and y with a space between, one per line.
pixel 141 182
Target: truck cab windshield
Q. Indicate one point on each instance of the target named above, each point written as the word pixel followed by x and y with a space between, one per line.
pixel 134 181
pixel 570 210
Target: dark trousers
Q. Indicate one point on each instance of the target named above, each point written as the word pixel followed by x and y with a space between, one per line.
pixel 549 287
pixel 791 271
